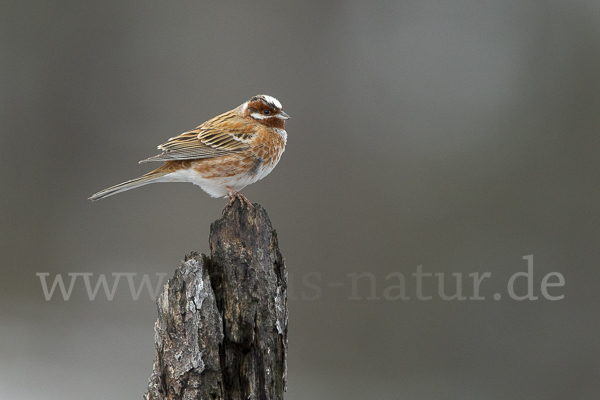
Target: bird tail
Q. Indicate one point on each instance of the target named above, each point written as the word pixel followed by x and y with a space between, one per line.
pixel 151 177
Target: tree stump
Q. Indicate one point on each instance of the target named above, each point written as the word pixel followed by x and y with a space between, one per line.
pixel 221 331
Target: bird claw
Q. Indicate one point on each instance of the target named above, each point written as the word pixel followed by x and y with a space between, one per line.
pixel 236 195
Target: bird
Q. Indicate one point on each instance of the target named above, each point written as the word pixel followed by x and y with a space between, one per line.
pixel 222 155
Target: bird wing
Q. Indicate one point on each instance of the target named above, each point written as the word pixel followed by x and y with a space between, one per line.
pixel 225 134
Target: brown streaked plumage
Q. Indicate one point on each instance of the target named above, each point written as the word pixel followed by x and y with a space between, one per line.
pixel 224 154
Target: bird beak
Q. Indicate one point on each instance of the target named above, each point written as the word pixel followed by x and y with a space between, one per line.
pixel 283 115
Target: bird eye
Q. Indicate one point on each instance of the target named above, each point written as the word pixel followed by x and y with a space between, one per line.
pixel 267 112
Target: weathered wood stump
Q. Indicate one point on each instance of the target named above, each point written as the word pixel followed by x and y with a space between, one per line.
pixel 221 331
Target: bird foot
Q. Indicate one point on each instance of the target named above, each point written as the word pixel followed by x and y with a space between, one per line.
pixel 233 195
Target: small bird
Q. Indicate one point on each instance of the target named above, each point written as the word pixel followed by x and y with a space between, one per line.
pixel 224 154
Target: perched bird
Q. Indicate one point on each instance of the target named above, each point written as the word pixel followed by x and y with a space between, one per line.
pixel 223 155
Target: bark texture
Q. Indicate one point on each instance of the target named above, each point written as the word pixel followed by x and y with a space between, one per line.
pixel 221 331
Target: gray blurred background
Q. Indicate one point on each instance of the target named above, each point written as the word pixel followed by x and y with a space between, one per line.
pixel 460 136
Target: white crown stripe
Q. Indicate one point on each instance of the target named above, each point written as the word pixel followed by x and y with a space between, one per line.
pixel 272 100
